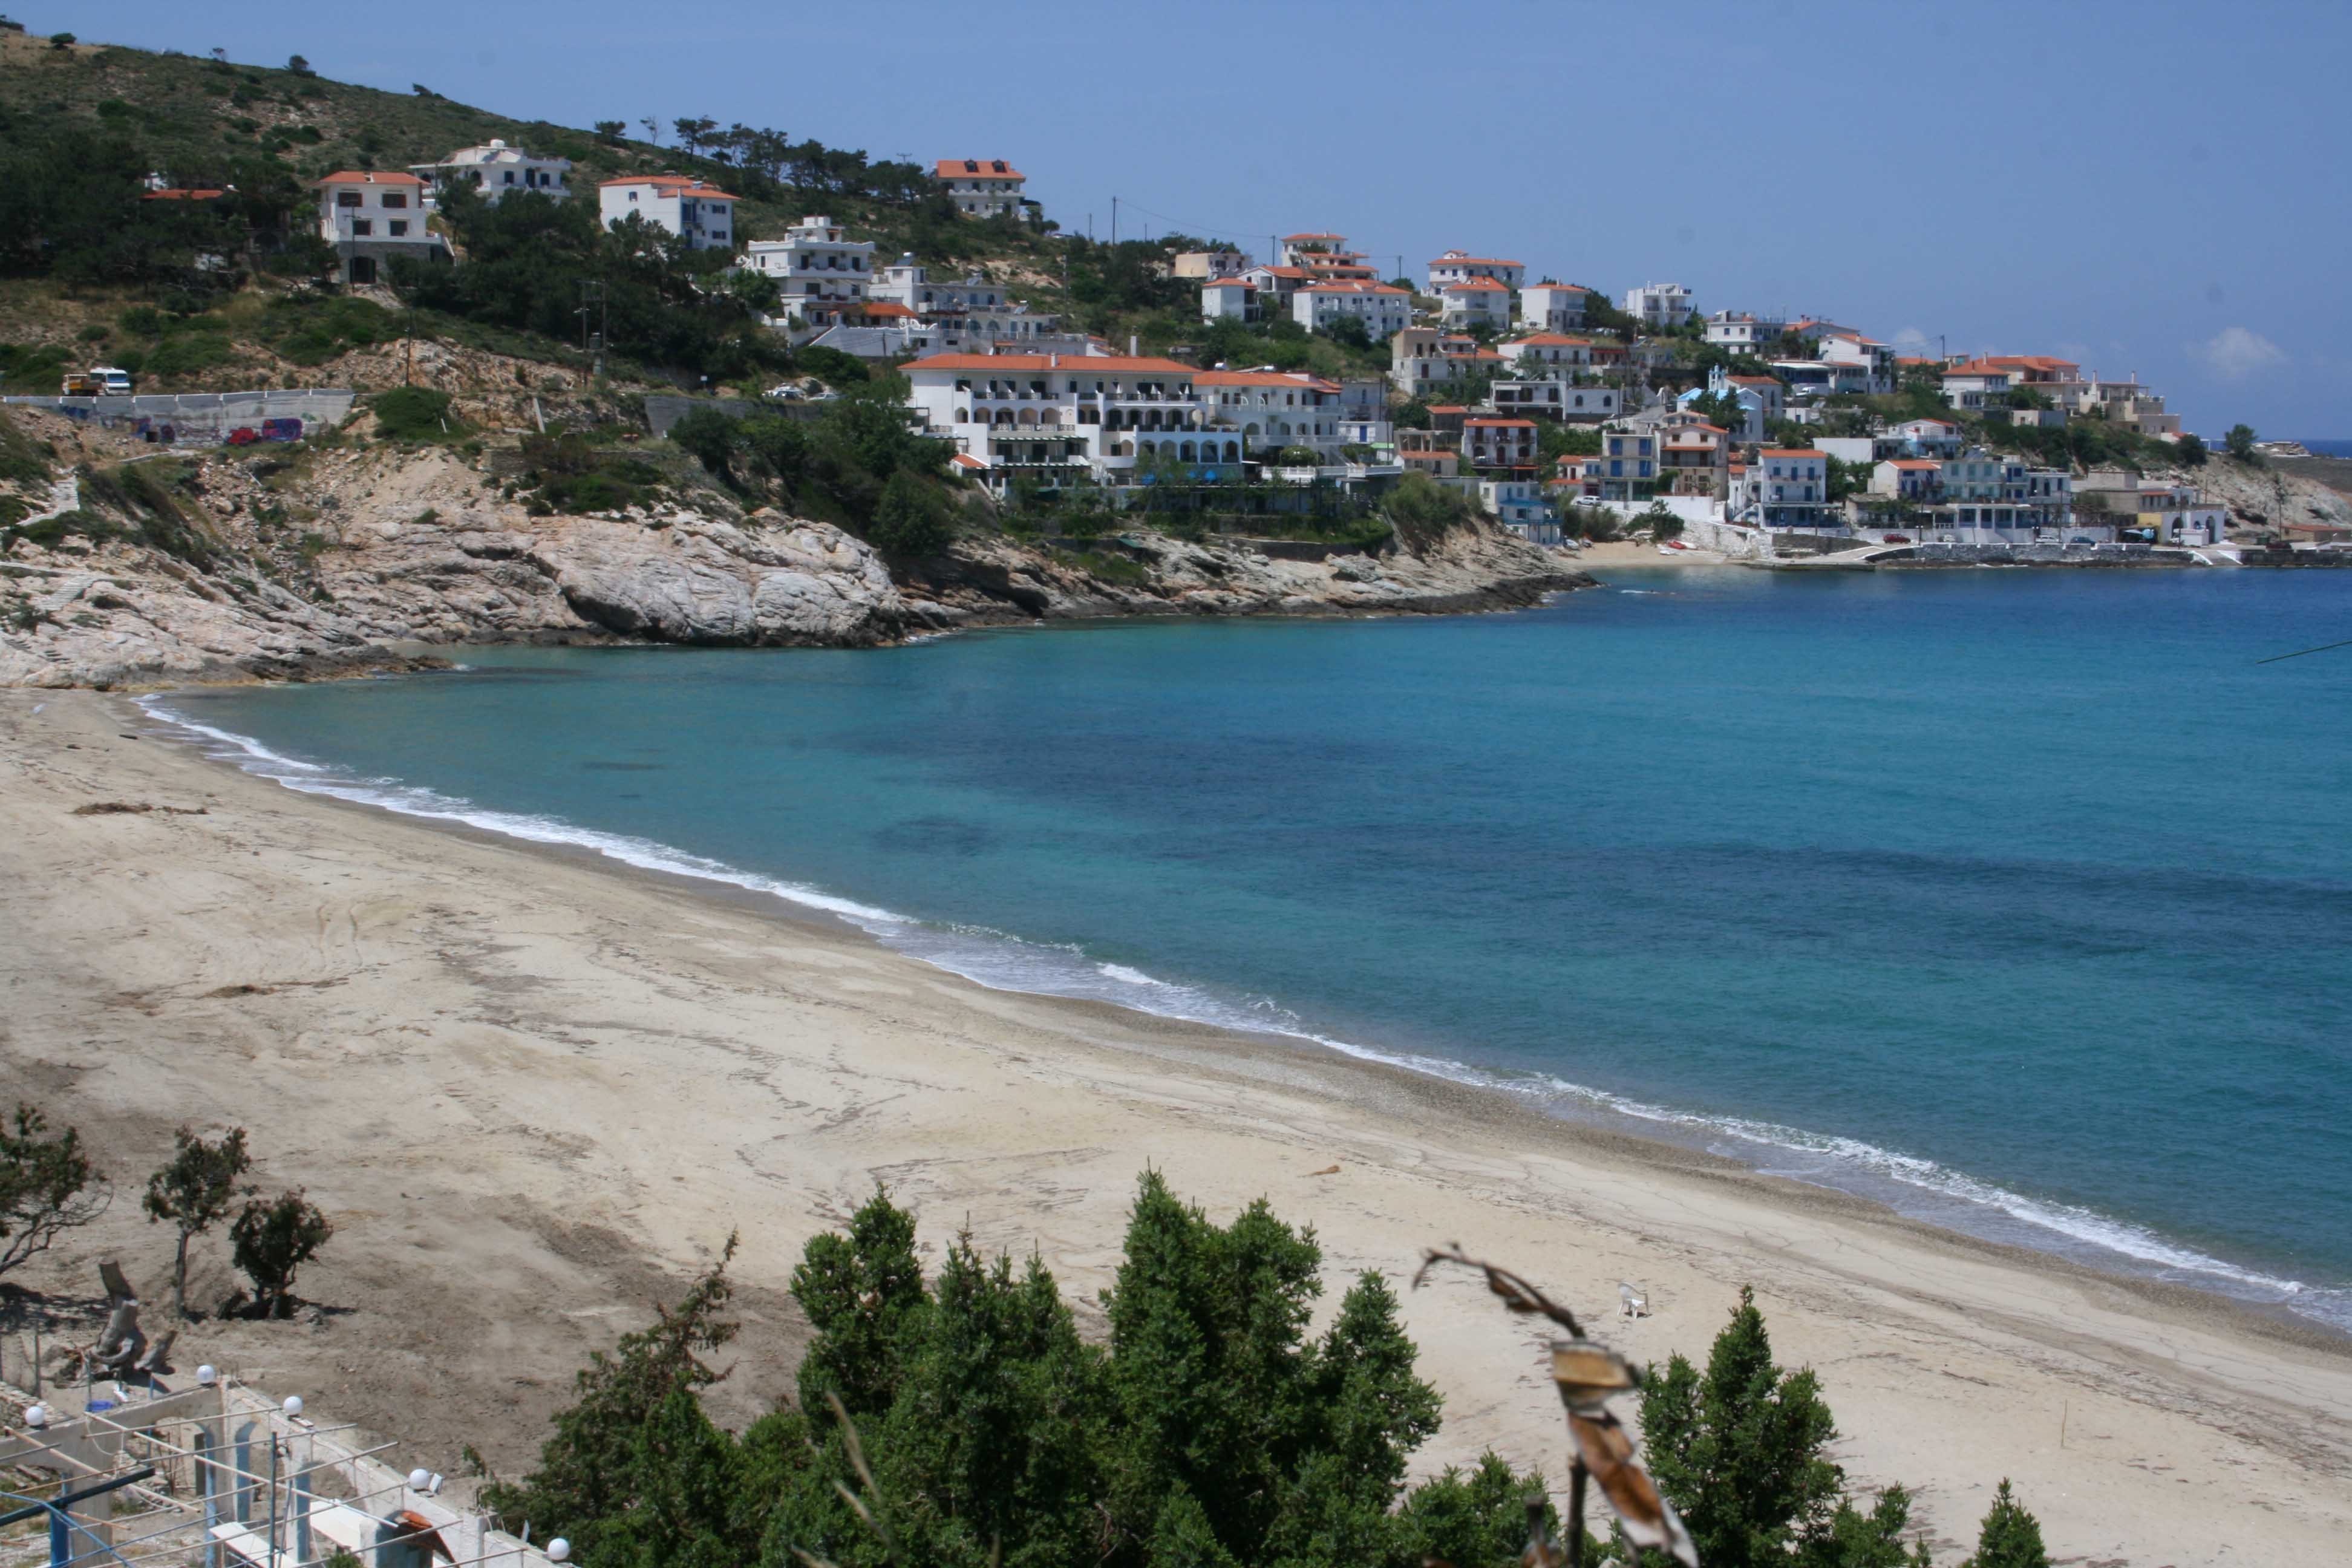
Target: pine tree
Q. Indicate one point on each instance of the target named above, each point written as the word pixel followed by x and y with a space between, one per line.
pixel 2010 1536
pixel 1738 1450
pixel 593 1470
pixel 864 1295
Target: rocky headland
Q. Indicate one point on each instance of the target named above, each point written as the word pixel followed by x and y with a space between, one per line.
pixel 352 560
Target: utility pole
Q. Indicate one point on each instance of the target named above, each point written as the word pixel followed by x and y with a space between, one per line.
pixel 1114 220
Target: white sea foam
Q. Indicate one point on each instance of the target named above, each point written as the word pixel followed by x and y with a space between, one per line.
pixel 1005 961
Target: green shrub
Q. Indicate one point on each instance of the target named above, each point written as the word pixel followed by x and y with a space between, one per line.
pixel 186 355
pixel 415 413
pixel 911 520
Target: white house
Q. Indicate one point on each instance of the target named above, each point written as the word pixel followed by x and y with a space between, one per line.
pixel 498 170
pixel 981 187
pixel 820 269
pixel 1550 349
pixel 1383 308
pixel 1659 306
pixel 1521 506
pixel 1060 416
pixel 371 217
pixel 1297 247
pixel 1929 438
pixel 1875 359
pixel 2171 514
pixel 704 215
pixel 1741 332
pixel 1228 299
pixel 1273 409
pixel 1476 302
pixel 1555 398
pixel 1786 488
pixel 1552 307
pixel 1917 479
pixel 1458 266
pixel 1629 463
pixel 1976 384
pixel 1498 441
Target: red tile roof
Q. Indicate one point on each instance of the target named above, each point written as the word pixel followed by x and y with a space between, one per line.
pixel 1475 261
pixel 1284 378
pixel 1793 452
pixel 975 169
pixel 1478 283
pixel 887 308
pixel 1287 237
pixel 364 177
pixel 1551 340
pixel 1354 288
pixel 675 185
pixel 1498 424
pixel 181 194
pixel 1120 363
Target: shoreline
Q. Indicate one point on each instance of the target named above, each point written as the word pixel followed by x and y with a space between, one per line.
pixel 1664 1132
pixel 812 1057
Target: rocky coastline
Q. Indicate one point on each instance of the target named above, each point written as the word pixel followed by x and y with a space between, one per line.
pixel 398 550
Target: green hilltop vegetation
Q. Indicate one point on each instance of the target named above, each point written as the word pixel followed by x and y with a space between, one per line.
pixel 82 124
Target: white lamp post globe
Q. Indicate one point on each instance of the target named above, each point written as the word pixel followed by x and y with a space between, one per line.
pixel 293 1405
pixel 419 1479
pixel 558 1550
pixel 37 1416
pixel 206 1377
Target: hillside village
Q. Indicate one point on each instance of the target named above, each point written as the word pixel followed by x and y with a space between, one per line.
pixel 993 414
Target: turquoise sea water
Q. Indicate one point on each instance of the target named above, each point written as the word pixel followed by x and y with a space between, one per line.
pixel 2021 901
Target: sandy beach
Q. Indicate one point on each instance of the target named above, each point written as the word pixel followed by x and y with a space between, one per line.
pixel 535 1091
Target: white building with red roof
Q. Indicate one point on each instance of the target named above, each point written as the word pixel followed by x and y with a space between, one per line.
pixel 701 214
pixel 981 187
pixel 1475 302
pixel 1383 308
pixel 373 216
pixel 1273 409
pixel 1459 266
pixel 1061 417
pixel 1228 299
pixel 1498 441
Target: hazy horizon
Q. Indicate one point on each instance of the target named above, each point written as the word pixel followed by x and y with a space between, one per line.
pixel 2139 189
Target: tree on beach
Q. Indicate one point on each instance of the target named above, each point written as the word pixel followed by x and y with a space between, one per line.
pixel 272 1238
pixel 47 1185
pixel 1740 1451
pixel 193 1192
pixel 2009 1537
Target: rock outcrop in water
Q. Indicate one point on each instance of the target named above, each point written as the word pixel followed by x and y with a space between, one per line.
pixel 374 550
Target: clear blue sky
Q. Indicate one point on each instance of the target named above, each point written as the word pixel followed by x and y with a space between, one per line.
pixel 2155 187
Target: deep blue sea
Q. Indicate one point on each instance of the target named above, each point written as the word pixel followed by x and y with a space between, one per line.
pixel 2021 900
pixel 2328 448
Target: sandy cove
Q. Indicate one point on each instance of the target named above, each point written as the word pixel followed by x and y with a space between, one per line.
pixel 534 1090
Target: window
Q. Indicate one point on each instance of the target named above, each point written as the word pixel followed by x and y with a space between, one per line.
pixel 362 226
pixel 396 227
pixel 394 199
pixel 347 198
pixel 509 177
